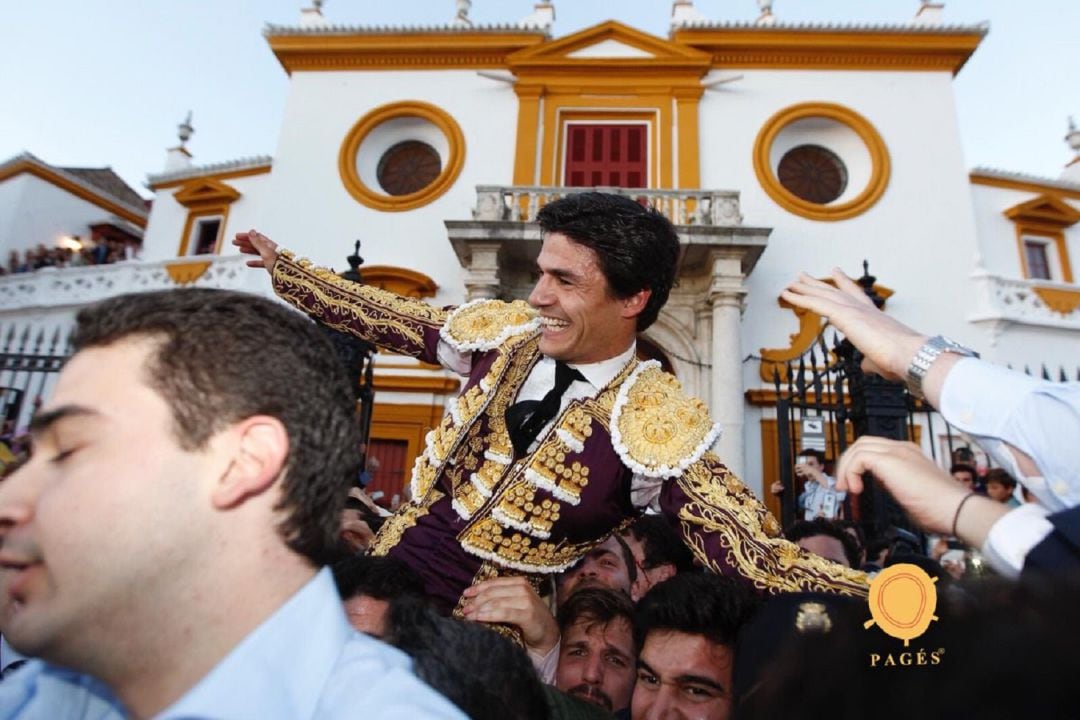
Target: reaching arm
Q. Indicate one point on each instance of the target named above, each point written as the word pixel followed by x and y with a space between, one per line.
pixel 731 533
pixel 404 325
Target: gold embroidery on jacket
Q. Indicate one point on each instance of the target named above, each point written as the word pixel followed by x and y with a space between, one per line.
pixel 377 312
pixel 406 517
pixel 750 536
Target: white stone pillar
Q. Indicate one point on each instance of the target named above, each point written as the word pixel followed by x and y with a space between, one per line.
pixel 482 273
pixel 726 295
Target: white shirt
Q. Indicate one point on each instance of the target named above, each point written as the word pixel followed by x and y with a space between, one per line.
pixel 1000 407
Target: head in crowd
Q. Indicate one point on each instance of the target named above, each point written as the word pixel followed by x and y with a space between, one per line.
pixel 606 266
pixel 368 585
pixel 658 552
pixel 359 523
pixel 963 455
pixel 688 626
pixel 964 474
pixel 608 565
pixel 853 529
pixel 877 553
pixel 597 651
pixel 479 670
pixel 197 439
pixel 812 458
pixel 1000 485
pixel 826 538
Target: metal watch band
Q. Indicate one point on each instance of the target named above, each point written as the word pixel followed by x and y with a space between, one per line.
pixel 925 357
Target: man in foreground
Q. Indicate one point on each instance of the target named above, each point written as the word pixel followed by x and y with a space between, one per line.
pixel 160 550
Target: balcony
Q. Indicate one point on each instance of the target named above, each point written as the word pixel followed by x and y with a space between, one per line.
pixel 1026 302
pixel 54 288
pixel 498 247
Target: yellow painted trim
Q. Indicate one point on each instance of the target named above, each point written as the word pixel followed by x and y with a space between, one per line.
pixel 216 176
pixel 406 366
pixel 201 193
pixel 1025 185
pixel 184 273
pixel 406 50
pixel 77 190
pixel 879 159
pixel 417 383
pixel 378 200
pixel 195 214
pixel 557 53
pixel 1059 300
pixel 774 360
pixel 530 99
pixel 1056 238
pixel 1045 216
pixel 808 49
pixel 399 280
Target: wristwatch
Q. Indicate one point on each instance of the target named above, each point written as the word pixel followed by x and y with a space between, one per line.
pixel 928 353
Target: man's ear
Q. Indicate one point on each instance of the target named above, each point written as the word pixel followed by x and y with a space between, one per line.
pixel 635 304
pixel 259 447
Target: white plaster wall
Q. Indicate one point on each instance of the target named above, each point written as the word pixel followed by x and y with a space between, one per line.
pixel 997 234
pixel 308 208
pixel 33 211
pixel 920 237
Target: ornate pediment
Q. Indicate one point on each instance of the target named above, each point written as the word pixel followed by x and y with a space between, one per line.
pixel 203 192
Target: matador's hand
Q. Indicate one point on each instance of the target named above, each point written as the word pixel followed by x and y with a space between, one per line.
pixel 253 242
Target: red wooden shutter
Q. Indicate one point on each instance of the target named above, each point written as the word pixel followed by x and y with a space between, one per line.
pixel 606 155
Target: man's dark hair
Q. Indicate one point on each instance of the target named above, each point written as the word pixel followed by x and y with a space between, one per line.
pixel 661 544
pixel 637 247
pixel 596 606
pixel 706 604
pixel 964 467
pixel 820 526
pixel 220 357
pixel 810 452
pixel 484 674
pixel 382 578
pixel 999 475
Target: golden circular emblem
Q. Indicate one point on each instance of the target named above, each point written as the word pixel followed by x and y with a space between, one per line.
pixel 902 600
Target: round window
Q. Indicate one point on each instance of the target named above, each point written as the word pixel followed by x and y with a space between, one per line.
pixel 408 167
pixel 812 173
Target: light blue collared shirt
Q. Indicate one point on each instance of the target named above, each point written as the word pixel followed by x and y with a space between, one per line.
pixel 305 661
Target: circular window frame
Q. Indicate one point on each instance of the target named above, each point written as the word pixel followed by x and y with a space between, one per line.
pixel 880 165
pixel 376 198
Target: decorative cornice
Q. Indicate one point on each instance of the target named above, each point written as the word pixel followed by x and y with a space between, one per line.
pixel 1021 181
pixel 29 163
pixel 906 28
pixel 241 167
pixel 412 49
pixel 825 47
pixel 271 30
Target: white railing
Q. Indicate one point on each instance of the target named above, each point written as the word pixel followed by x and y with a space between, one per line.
pixel 520 203
pixel 61 287
pixel 1029 302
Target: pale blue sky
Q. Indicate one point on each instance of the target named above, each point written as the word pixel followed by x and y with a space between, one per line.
pixel 105 82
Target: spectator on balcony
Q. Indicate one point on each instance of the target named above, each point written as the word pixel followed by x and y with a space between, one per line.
pixel 554 442
pixel 160 550
pixel 1028 426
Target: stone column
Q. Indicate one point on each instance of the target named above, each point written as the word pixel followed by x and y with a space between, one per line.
pixel 482 272
pixel 726 295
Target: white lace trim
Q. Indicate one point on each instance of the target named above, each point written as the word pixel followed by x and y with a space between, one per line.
pixel 507 332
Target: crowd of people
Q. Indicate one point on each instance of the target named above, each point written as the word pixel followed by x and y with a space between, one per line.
pixel 103 252
pixel 186 539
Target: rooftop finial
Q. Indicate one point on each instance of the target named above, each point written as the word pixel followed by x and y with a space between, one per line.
pixel 312 16
pixel 542 16
pixel 184 130
pixel 1073 136
pixel 766 17
pixel 929 12
pixel 461 19
pixel 684 13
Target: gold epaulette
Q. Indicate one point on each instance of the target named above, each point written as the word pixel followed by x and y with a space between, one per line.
pixel 487 324
pixel 656 428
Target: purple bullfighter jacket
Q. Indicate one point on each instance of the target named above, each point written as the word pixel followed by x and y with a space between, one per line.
pixel 478 512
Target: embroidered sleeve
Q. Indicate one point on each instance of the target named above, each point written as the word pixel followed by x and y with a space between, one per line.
pixel 730 532
pixel 404 325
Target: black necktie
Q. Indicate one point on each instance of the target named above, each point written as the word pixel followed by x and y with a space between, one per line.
pixel 525 419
